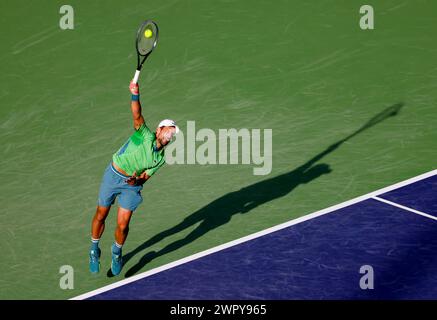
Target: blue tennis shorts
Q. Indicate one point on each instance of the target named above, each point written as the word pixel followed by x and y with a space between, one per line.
pixel 114 184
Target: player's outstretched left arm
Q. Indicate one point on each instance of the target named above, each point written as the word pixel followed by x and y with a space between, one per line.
pixel 136 105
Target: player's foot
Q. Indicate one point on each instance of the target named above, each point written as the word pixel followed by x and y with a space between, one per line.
pixel 116 263
pixel 95 260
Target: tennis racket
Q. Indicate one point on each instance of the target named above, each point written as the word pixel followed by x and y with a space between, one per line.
pixel 147 38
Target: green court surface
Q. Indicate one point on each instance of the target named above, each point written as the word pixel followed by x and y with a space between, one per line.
pixel 304 69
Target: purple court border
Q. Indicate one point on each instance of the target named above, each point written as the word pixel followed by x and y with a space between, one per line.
pixel 376 195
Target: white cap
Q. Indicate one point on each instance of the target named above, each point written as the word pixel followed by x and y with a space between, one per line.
pixel 168 123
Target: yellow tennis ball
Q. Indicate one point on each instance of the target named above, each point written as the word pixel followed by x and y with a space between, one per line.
pixel 148 33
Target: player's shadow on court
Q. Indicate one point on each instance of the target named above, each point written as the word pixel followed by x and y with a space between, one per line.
pixel 221 210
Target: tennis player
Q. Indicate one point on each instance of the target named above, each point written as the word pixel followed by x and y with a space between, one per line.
pixel 131 166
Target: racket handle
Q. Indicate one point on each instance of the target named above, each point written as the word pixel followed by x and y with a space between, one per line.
pixel 136 76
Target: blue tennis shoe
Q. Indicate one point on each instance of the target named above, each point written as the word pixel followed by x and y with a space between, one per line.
pixel 95 260
pixel 117 261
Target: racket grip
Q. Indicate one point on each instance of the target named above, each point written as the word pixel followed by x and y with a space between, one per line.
pixel 136 76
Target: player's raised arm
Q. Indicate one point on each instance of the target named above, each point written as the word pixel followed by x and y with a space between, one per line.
pixel 136 105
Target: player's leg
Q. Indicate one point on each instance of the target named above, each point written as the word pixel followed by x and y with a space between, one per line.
pixel 97 228
pixel 98 223
pixel 122 229
pixel 129 199
pixel 107 195
pixel 121 232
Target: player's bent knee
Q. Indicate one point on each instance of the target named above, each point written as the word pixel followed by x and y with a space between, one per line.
pixel 101 217
pixel 102 212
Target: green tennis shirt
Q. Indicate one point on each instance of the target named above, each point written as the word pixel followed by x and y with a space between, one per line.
pixel 139 154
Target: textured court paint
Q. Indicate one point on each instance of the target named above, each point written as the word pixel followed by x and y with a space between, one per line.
pixel 420 196
pixel 317 259
pixel 315 79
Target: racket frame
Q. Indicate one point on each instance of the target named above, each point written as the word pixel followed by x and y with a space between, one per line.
pixel 139 55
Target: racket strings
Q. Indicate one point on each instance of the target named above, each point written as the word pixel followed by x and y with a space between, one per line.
pixel 146 38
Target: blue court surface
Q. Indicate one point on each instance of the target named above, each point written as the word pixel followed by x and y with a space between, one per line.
pixel 392 232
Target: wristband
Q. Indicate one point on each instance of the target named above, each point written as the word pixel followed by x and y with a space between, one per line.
pixel 135 97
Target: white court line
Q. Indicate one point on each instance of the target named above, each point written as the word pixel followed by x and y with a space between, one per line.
pixel 255 235
pixel 405 208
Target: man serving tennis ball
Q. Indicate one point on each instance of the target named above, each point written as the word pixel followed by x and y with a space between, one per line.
pixel 131 166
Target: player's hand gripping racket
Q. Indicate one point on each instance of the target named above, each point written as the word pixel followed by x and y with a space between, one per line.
pixel 147 38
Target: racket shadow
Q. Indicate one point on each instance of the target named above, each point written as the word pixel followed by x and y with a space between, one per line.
pixel 220 211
